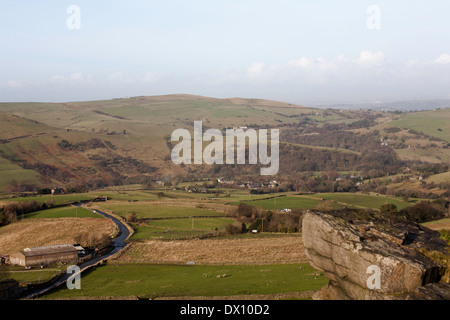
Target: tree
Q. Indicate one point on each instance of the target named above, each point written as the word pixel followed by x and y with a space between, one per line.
pixel 161 195
pixel 422 212
pixel 326 205
pixel 132 217
pixel 389 208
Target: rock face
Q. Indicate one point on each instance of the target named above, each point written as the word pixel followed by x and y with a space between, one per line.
pixel 371 256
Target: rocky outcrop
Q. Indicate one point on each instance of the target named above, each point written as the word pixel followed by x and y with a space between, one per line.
pixel 372 256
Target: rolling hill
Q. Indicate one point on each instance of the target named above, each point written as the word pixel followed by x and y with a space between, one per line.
pixel 127 139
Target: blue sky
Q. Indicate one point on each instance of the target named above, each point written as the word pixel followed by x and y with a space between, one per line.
pixel 302 51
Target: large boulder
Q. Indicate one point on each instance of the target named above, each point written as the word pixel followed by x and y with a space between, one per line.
pixel 370 256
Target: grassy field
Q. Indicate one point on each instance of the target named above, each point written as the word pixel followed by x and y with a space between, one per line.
pixel 363 200
pixel 439 178
pixel 285 203
pixel 30 276
pixel 438 225
pixel 11 173
pixel 42 232
pixel 172 229
pixel 151 281
pixel 146 232
pixel 234 250
pixel 56 199
pixel 64 212
pixel 202 224
pixel 435 123
pixel 431 155
pixel 150 210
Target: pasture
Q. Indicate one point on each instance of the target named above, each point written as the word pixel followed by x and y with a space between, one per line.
pixel 64 212
pixel 435 124
pixel 158 281
pixel 289 202
pixel 363 200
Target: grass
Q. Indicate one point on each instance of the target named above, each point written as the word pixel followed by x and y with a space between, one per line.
pixel 148 232
pixel 11 173
pixel 148 210
pixel 29 233
pixel 65 212
pixel 57 199
pixel 363 200
pixel 443 224
pixel 30 276
pixel 285 203
pixel 172 229
pixel 433 123
pixel 439 178
pixel 203 224
pixel 150 281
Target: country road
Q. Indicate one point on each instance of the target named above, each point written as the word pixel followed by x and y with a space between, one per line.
pixel 118 243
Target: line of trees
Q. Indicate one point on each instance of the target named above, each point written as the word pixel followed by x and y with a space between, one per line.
pixel 268 221
pixel 10 212
pixel 421 212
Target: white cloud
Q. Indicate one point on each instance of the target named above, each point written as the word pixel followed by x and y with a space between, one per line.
pixel 119 77
pixel 58 79
pixel 256 69
pixel 76 76
pixel 371 59
pixel 303 62
pixel 443 59
pixel 413 62
pixel 150 77
pixel 14 84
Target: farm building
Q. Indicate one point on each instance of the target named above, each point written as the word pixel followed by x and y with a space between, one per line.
pixel 42 256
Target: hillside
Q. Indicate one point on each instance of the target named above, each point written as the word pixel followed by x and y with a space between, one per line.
pixel 127 140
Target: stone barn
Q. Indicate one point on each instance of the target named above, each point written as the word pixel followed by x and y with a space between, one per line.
pixel 43 256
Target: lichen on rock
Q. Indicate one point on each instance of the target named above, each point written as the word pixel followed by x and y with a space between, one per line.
pixel 346 244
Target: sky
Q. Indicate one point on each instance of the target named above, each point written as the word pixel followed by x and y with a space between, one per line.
pixel 299 51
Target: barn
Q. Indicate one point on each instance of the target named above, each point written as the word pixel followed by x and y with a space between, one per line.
pixel 43 256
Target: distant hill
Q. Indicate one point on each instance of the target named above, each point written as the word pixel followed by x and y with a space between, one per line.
pixel 409 105
pixel 127 140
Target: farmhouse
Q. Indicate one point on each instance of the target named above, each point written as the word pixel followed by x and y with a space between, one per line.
pixel 58 191
pixel 42 256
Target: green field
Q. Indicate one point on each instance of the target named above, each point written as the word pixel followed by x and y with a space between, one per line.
pixel 202 224
pixel 151 281
pixel 363 200
pixel 11 174
pixel 30 276
pixel 65 212
pixel 434 123
pixel 149 211
pixel 57 199
pixel 172 229
pixel 439 178
pixel 146 232
pixel 285 203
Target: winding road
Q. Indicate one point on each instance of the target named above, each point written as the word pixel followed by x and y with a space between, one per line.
pixel 118 243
